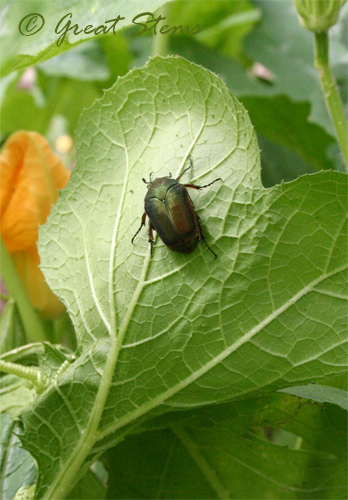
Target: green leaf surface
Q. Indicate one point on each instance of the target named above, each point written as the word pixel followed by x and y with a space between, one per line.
pixel 181 331
pixel 286 123
pixel 17 467
pixel 279 164
pixel 20 51
pixel 52 359
pixel 88 488
pixel 216 454
pixel 14 395
pixel 321 393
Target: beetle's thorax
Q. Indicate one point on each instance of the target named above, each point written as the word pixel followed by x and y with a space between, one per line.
pixel 159 187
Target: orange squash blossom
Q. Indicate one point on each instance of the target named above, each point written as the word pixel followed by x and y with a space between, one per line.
pixel 30 177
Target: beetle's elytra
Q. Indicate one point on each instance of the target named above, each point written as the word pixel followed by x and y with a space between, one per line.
pixel 172 215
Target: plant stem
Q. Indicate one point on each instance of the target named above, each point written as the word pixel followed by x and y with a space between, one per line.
pixel 160 42
pixel 331 93
pixel 33 327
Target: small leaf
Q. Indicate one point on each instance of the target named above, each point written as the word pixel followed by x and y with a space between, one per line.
pixel 321 393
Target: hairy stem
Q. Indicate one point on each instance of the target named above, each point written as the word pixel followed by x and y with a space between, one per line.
pixel 331 93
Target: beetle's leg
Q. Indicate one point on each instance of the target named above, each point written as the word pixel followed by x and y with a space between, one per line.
pixel 143 219
pixel 186 169
pixel 203 237
pixel 151 240
pixel 201 187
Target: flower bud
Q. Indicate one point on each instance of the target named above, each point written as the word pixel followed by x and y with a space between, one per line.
pixel 318 15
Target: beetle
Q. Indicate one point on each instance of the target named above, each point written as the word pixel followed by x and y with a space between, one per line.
pixel 172 215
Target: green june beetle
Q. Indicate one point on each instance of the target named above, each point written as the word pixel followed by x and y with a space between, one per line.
pixel 172 215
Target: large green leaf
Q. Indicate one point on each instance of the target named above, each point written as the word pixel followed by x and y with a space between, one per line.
pixel 179 331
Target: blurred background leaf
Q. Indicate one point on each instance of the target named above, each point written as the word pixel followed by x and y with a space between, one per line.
pixel 258 48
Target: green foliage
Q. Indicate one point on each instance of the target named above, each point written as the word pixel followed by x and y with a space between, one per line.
pixel 193 458
pixel 12 333
pixel 20 51
pixel 16 465
pixel 170 388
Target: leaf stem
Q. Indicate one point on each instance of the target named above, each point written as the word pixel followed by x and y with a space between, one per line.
pixel 34 329
pixel 331 93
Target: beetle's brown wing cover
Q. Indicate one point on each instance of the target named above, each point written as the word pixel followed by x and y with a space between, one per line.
pixel 174 219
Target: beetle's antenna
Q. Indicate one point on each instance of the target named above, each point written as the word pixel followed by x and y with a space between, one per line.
pixel 210 183
pixel 151 174
pixel 186 169
pixel 170 175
